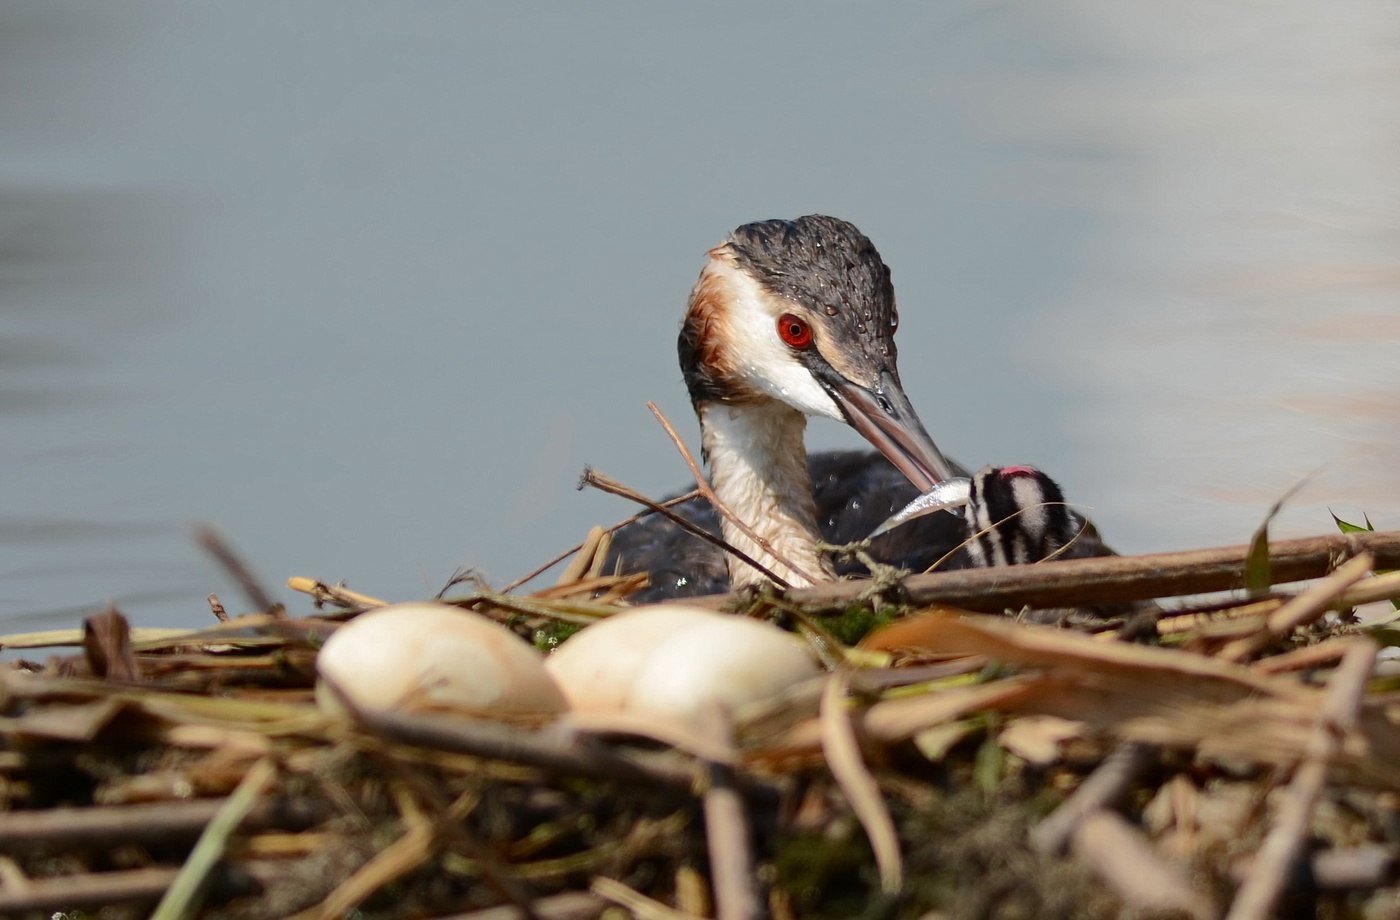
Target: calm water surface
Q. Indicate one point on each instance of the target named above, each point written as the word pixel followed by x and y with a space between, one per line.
pixel 367 286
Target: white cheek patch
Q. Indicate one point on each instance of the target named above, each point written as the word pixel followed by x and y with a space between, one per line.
pixel 759 357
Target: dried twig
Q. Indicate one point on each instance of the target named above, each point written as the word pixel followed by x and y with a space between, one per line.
pixel 97 890
pixel 183 897
pixel 613 487
pixel 216 607
pixel 1282 847
pixel 553 749
pixel 1113 579
pixel 218 547
pixel 339 595
pixel 541 569
pixel 1302 609
pixel 703 484
pixel 1129 864
pixel 392 862
pixel 1109 784
pixel 636 903
pixel 727 828
pixel 572 905
pixel 591 553
pixel 106 826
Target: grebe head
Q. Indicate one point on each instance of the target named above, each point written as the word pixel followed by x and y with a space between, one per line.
pixel 802 312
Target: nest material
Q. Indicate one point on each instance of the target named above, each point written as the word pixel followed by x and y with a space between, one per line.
pixel 1245 759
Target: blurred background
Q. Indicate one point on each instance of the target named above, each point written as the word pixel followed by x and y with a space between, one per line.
pixel 366 285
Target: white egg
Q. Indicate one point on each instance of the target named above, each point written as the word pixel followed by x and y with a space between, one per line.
pixel 407 656
pixel 671 661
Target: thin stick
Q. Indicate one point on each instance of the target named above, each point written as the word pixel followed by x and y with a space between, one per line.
pixel 186 892
pixel 103 826
pixel 74 892
pixel 572 905
pixel 1124 859
pixel 582 561
pixel 1282 847
pixel 703 484
pixel 531 576
pixel 636 903
pixel 555 750
pixel 1105 787
pixel 1110 579
pixel 216 546
pixel 216 607
pixel 339 595
pixel 613 487
pixel 386 866
pixel 727 827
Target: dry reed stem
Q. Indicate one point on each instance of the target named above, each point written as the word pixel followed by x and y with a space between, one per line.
pixel 1108 785
pixel 93 890
pixel 638 904
pixel 893 720
pixel 338 595
pixel 1309 656
pixel 571 905
pixel 1301 610
pixel 555 750
pixel 216 607
pixel 223 553
pixel 1125 859
pixel 541 569
pixel 102 826
pixel 613 487
pixel 674 734
pixel 186 891
pixel 703 484
pixel 393 862
pixel 1113 579
pixel 584 557
pixel 1281 849
pixel 727 833
pixel 12 877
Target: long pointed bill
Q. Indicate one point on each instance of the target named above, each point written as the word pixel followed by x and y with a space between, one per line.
pixel 884 417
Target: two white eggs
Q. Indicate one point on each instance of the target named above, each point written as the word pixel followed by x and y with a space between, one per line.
pixel 666 661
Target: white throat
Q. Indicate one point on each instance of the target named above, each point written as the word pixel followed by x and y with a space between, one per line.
pixel 758 467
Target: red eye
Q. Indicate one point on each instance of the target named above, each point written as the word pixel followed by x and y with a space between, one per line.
pixel 794 330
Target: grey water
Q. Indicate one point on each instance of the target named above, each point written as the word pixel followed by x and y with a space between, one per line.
pixel 366 285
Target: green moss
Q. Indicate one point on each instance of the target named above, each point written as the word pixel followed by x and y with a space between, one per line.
pixel 548 637
pixel 858 621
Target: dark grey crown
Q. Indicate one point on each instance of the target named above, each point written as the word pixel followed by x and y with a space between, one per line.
pixel 828 265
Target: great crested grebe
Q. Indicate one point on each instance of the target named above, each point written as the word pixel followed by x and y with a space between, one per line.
pixel 791 318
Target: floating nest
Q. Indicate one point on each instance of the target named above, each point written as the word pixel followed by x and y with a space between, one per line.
pixel 1241 758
